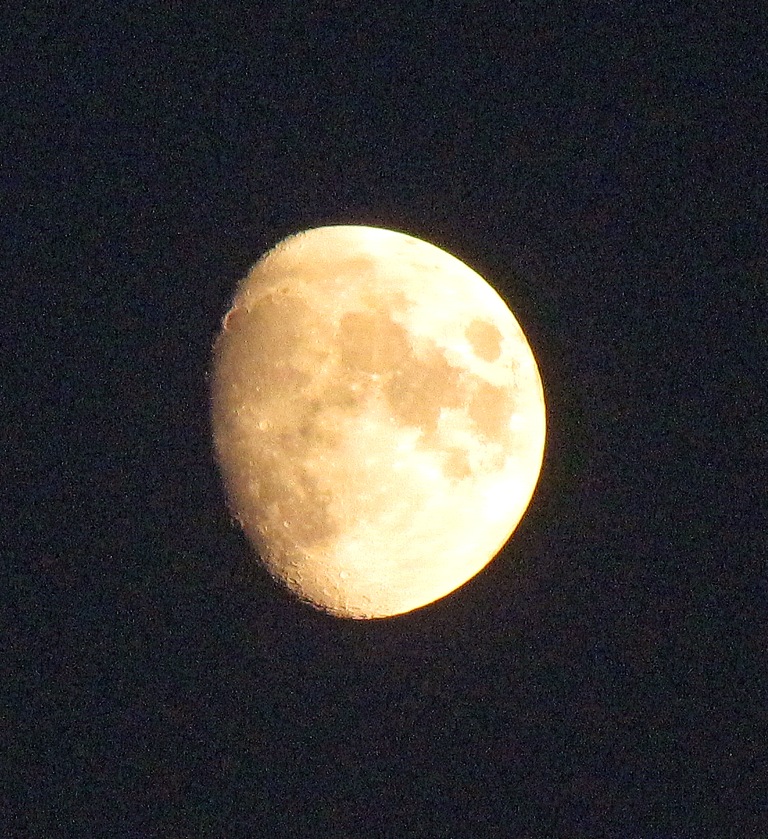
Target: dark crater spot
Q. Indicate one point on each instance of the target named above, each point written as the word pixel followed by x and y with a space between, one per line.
pixel 372 342
pixel 456 464
pixel 490 409
pixel 421 387
pixel 485 339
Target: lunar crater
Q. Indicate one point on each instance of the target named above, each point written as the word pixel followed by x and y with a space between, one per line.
pixel 485 339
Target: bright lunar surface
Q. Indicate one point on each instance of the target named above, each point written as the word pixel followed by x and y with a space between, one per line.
pixel 378 419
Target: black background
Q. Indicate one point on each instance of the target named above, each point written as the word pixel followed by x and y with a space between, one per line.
pixel 600 165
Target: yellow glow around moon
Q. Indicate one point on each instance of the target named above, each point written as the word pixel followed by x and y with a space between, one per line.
pixel 378 419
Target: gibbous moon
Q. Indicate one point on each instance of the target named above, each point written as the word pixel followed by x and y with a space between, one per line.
pixel 378 419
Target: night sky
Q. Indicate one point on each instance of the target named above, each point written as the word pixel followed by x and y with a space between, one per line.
pixel 600 166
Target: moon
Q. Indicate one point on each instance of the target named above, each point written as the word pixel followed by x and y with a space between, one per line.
pixel 378 419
